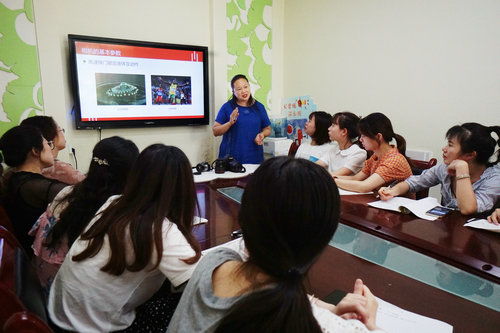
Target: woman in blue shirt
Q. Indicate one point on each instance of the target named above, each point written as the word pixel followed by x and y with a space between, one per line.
pixel 244 124
pixel 469 180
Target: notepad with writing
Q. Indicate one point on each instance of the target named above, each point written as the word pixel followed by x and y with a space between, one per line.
pixel 407 206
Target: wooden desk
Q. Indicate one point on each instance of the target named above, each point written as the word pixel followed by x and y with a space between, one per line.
pixel 448 241
pixel 336 269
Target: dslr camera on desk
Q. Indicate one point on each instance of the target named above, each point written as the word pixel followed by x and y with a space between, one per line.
pixel 222 165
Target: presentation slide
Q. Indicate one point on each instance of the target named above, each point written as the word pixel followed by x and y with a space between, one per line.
pixel 124 82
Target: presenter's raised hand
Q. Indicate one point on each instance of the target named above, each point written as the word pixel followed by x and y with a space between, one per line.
pixel 234 116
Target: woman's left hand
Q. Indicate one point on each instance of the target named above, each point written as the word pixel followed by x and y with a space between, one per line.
pixel 259 139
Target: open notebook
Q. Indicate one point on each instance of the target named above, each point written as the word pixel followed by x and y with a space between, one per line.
pixel 407 206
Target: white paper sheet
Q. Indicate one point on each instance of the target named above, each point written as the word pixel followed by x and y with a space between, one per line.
pixel 345 192
pixel 482 224
pixel 393 319
pixel 199 220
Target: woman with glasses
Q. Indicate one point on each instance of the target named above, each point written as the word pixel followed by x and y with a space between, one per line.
pixel 26 192
pixel 61 171
pixel 244 124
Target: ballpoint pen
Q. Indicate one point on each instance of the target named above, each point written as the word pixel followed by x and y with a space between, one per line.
pixel 394 183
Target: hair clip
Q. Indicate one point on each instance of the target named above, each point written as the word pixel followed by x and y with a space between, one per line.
pixel 99 161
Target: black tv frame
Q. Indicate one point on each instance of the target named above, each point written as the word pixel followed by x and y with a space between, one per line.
pixel 142 122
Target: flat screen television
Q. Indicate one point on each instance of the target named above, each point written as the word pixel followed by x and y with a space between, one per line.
pixel 124 83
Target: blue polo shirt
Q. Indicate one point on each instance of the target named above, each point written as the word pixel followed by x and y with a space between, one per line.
pixel 238 142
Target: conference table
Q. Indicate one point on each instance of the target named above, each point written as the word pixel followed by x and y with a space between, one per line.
pixel 439 269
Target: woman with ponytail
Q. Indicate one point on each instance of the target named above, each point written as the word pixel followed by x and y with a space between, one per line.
pixel 74 207
pixel 469 180
pixel 346 157
pixel 266 292
pixel 386 165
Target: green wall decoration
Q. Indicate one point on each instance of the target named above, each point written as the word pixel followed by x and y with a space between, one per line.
pixel 20 85
pixel 249 44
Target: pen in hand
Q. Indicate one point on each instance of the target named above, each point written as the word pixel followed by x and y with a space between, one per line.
pixel 394 183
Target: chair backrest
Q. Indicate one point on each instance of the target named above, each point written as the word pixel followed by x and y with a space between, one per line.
pixel 8 248
pixel 19 283
pixel 25 322
pixel 5 220
pixel 15 318
pixel 417 168
pixel 293 148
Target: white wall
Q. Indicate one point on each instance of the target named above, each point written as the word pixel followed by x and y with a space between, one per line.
pixel 196 22
pixel 179 22
pixel 427 64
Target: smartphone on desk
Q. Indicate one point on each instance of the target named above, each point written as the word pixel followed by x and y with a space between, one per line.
pixel 439 211
pixel 334 297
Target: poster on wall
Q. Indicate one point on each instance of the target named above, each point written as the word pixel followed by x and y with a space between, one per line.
pixel 20 87
pixel 297 110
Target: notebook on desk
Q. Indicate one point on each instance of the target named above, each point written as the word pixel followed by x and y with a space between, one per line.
pixel 392 318
pixel 407 206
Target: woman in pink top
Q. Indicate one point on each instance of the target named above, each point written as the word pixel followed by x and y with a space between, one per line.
pixel 61 171
pixel 386 165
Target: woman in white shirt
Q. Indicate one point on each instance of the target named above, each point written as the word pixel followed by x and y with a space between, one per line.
pixel 135 241
pixel 346 157
pixel 317 128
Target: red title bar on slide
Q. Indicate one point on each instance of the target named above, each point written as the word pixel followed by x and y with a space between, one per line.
pixel 140 118
pixel 114 50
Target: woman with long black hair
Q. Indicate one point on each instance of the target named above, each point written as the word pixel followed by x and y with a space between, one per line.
pixel 73 208
pixel 135 242
pixel 289 213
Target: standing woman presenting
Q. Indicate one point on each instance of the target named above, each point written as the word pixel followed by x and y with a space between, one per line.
pixel 244 124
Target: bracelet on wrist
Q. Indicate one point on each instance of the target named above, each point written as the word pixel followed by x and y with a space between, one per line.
pixel 463 176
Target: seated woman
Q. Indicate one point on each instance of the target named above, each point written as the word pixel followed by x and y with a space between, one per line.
pixel 61 171
pixel 266 293
pixel 386 165
pixel 345 158
pixel 130 247
pixel 73 208
pixel 26 192
pixel 317 128
pixel 469 182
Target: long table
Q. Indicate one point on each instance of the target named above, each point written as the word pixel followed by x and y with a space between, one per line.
pixel 446 239
pixel 438 269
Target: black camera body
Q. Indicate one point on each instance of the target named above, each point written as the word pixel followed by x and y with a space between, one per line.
pixel 202 167
pixel 227 164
